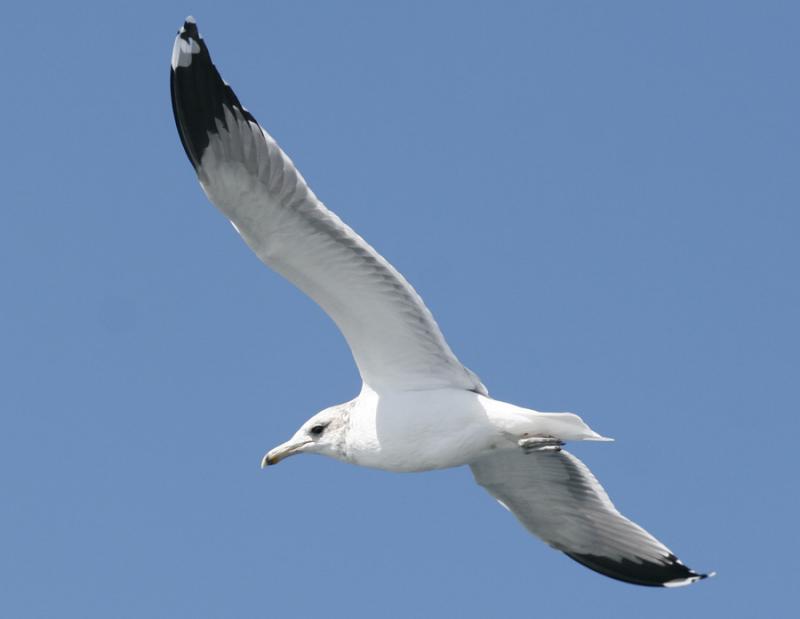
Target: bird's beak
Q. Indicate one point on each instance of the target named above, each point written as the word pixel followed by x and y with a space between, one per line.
pixel 289 448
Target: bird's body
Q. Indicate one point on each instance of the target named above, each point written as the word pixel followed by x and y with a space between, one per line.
pixel 419 408
pixel 441 428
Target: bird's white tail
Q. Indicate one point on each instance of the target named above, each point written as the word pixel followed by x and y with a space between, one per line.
pixel 569 427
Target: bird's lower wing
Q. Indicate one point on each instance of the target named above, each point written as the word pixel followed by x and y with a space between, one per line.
pixel 392 335
pixel 557 498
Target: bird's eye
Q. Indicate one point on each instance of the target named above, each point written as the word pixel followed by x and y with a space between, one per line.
pixel 317 430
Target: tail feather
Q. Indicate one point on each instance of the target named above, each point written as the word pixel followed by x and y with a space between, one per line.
pixel 570 427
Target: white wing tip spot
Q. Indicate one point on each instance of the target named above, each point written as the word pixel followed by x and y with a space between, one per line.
pixel 682 582
pixel 183 51
pixel 189 20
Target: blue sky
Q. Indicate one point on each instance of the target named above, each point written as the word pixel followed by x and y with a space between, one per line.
pixel 599 203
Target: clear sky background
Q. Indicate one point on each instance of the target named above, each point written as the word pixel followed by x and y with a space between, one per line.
pixel 598 201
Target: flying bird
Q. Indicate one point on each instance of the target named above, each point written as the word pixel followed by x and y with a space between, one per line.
pixel 419 408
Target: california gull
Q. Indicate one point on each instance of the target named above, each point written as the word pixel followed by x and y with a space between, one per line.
pixel 419 409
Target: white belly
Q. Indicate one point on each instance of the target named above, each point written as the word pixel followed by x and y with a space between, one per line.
pixel 418 430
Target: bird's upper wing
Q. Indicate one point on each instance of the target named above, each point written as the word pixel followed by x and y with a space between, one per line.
pixel 556 497
pixel 393 337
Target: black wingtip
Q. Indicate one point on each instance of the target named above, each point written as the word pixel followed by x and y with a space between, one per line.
pixel 199 94
pixel 669 573
pixel 189 28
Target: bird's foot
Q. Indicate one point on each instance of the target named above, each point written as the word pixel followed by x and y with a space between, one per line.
pixel 540 443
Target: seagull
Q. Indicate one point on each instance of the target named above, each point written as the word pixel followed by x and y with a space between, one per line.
pixel 419 408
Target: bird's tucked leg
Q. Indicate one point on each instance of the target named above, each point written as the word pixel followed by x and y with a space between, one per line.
pixel 540 443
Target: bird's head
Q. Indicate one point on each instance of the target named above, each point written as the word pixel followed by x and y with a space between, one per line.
pixel 323 434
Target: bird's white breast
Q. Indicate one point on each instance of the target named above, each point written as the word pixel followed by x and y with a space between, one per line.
pixel 418 430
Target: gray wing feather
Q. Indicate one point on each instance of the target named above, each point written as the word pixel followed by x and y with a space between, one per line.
pixel 394 338
pixel 558 499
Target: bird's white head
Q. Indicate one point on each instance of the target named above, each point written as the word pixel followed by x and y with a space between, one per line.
pixel 323 434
